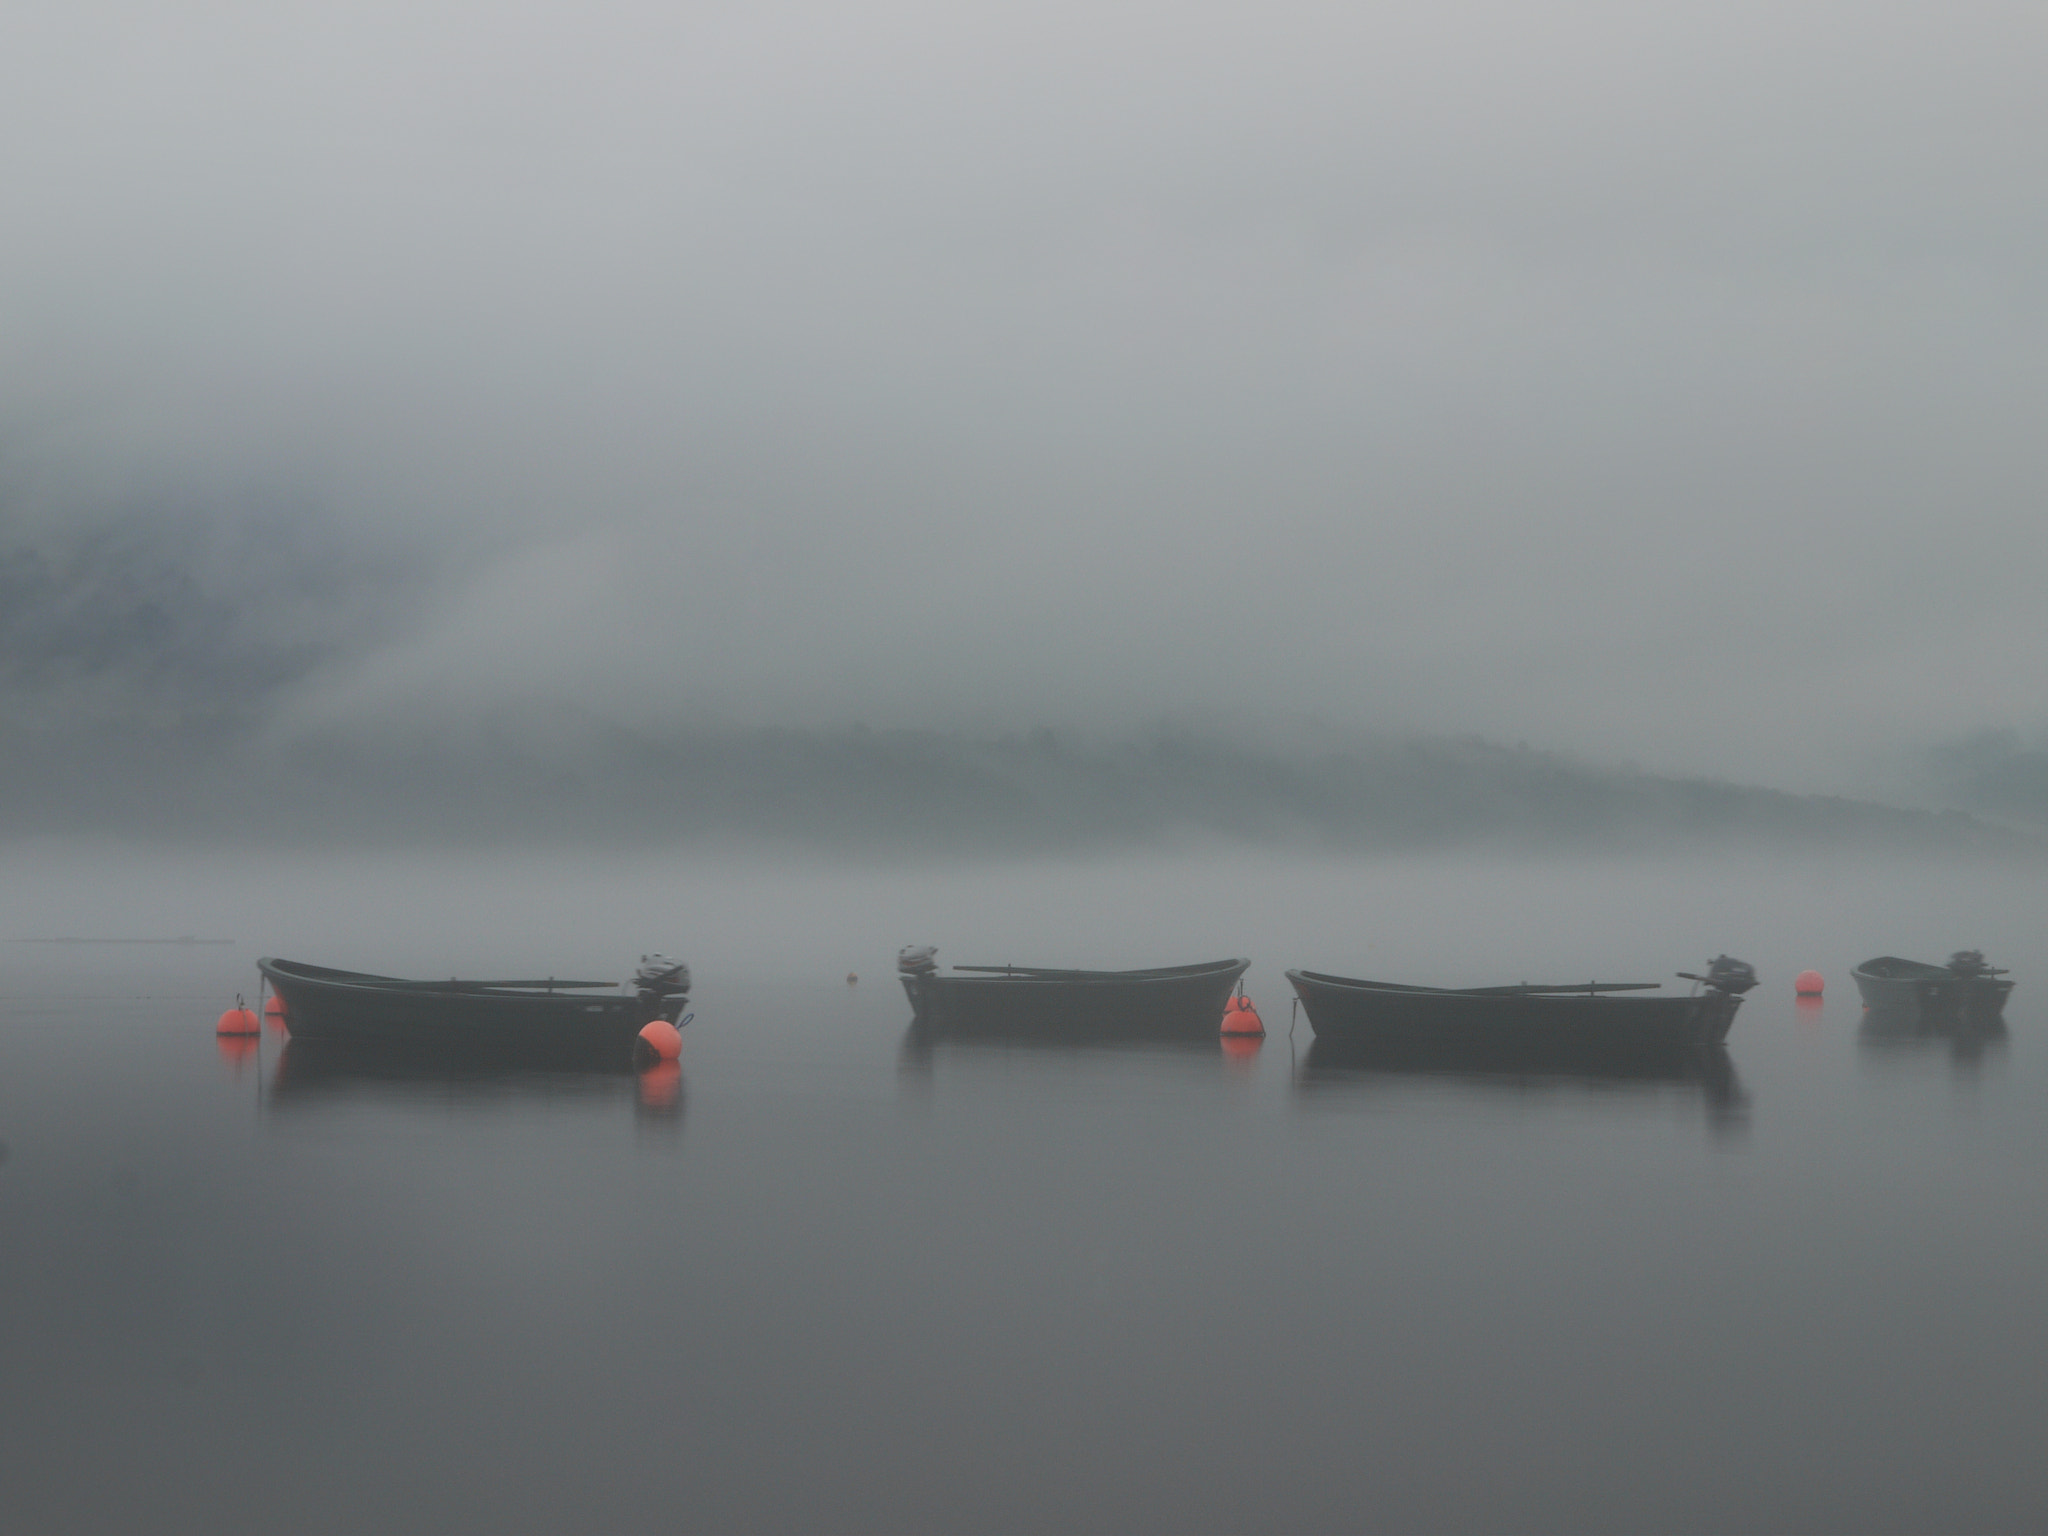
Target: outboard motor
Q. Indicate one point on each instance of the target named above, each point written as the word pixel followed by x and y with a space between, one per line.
pixel 1727 974
pixel 1970 962
pixel 662 984
pixel 918 959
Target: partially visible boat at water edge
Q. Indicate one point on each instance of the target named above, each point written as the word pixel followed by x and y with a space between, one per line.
pixel 322 1003
pixel 1183 1001
pixel 1591 1019
pixel 1964 990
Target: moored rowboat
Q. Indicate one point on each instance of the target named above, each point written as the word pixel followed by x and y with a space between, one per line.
pixel 1180 1000
pixel 322 1003
pixel 1966 988
pixel 1584 1018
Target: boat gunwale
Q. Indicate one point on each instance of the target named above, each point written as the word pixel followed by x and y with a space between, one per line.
pixel 1923 970
pixel 1047 976
pixel 1566 992
pixel 367 984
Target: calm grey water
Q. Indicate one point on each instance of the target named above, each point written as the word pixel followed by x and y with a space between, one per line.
pixel 824 1281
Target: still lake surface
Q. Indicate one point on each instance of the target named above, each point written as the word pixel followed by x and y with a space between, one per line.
pixel 822 1279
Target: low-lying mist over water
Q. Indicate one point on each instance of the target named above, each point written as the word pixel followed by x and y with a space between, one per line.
pixel 1456 919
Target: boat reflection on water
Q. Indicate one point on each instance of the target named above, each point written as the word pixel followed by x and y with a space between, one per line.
pixel 328 1071
pixel 923 1043
pixel 1969 1041
pixel 1334 1067
pixel 918 1054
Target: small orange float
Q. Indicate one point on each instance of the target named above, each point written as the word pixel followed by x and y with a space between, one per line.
pixel 1241 1018
pixel 662 1038
pixel 1808 984
pixel 238 1020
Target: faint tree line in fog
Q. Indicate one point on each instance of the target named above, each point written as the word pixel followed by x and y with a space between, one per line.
pixel 563 777
pixel 147 656
pixel 1998 774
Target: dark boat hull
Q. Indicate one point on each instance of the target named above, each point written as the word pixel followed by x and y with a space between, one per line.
pixel 1896 987
pixel 1183 1003
pixel 1586 1026
pixel 322 1004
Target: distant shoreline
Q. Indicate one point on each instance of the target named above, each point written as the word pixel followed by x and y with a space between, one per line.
pixel 183 939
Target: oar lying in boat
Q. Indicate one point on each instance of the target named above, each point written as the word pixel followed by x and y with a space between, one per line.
pixel 549 982
pixel 1046 973
pixel 1563 987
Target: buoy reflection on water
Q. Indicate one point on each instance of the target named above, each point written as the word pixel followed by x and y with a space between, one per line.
pixel 661 1085
pixel 235 1049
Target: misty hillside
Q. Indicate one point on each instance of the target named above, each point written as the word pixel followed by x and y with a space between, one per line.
pixel 183 613
pixel 1998 775
pixel 563 778
pixel 150 660
pixel 573 426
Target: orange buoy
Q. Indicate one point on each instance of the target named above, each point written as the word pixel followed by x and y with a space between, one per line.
pixel 662 1038
pixel 238 1020
pixel 274 1011
pixel 1241 1018
pixel 1808 984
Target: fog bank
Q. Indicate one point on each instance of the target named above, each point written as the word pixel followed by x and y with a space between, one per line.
pixel 1661 387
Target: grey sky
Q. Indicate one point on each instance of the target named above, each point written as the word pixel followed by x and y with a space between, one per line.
pixel 1661 382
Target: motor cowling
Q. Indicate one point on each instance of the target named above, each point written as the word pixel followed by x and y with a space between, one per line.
pixel 1727 974
pixel 662 984
pixel 918 959
pixel 1970 962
